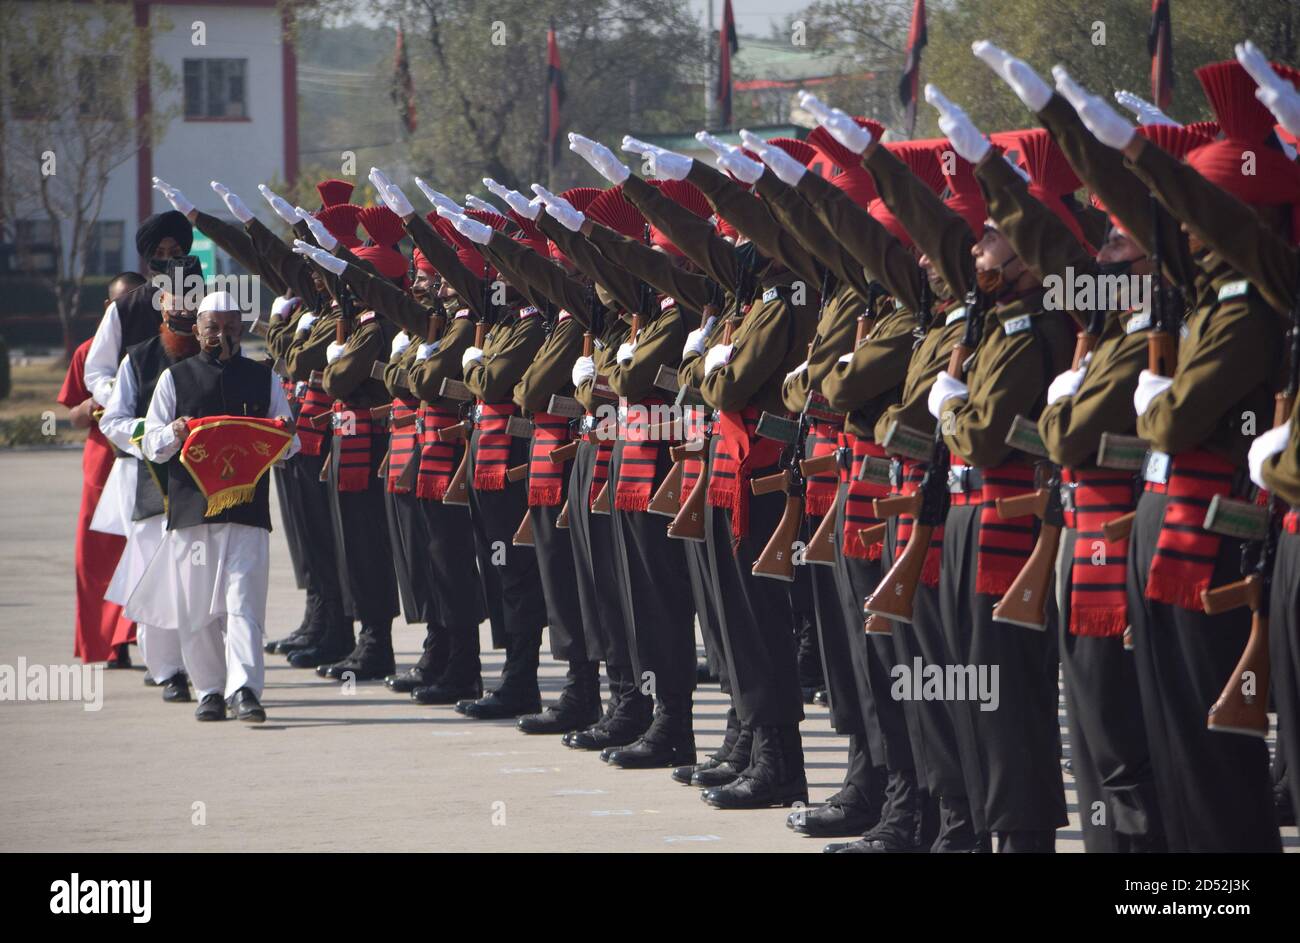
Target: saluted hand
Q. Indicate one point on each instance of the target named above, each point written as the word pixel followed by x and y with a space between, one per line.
pixel 1145 112
pixel 1024 81
pixel 731 159
pixel 331 263
pixel 666 165
pixel 323 236
pixel 966 139
pixel 482 206
pixel 232 201
pixel 280 205
pixel 560 209
pixel 839 124
pixel 174 196
pixel 391 194
pixel 600 157
pixel 788 170
pixel 1105 123
pixel 1275 93
pixel 471 229
pixel 439 200
pixel 528 209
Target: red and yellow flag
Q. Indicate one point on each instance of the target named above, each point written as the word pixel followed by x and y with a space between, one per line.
pixel 228 455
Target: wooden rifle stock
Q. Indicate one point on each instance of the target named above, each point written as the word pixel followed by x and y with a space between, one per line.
pixel 456 433
pixel 893 597
pixel 1242 707
pixel 1035 503
pixel 770 483
pixel 1162 353
pixel 562 520
pixel 777 559
pixel 518 473
pixel 1118 528
pixel 458 487
pixel 563 453
pixel 1025 602
pixel 667 498
pixel 480 334
pixel 689 522
pixel 819 465
pixel 873 535
pixel 524 535
pixel 821 547
pixel 897 505
pixel 601 503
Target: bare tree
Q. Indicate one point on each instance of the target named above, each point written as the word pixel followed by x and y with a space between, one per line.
pixel 71 74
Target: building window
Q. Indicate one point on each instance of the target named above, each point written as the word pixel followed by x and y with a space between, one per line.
pixel 36 246
pixel 104 248
pixel 215 88
pixel 98 87
pixel 31 98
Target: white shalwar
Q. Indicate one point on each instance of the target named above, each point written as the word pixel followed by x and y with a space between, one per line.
pixel 208 581
pixel 160 647
pixel 113 512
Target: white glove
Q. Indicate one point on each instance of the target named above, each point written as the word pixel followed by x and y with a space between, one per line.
pixel 1065 384
pixel 731 159
pixel 1150 385
pixel 1024 81
pixel 482 206
pixel 322 258
pixel 283 306
pixel 400 343
pixel 528 209
pixel 584 369
pixel 233 202
pixel 391 193
pixel 840 126
pixel 471 355
pixel 845 358
pixel 281 206
pixel 305 322
pixel 439 200
pixel 600 157
pixel 425 351
pixel 1105 123
pixel 471 229
pixel 560 208
pixel 1146 112
pixel 967 140
pixel 323 236
pixel 666 165
pixel 717 356
pixel 174 196
pixel 788 170
pixel 798 370
pixel 694 343
pixel 1275 93
pixel 1265 447
pixel 334 351
pixel 625 353
pixel 945 387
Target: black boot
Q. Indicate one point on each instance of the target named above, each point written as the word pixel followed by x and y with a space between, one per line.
pixel 727 771
pixel 611 706
pixel 335 642
pixel 669 741
pixel 775 775
pixel 629 719
pixel 371 660
pixel 683 774
pixel 852 811
pixel 430 667
pixel 121 656
pixel 462 678
pixel 518 693
pixel 811 678
pixel 896 832
pixel 578 706
pixel 295 638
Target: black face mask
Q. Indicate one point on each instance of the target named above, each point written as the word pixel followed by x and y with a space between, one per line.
pixel 748 258
pixel 183 324
pixel 188 264
pixel 1122 267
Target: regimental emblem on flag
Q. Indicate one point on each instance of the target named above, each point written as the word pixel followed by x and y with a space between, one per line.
pixel 228 455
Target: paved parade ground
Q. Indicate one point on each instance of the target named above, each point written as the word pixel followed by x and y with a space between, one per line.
pixel 331 769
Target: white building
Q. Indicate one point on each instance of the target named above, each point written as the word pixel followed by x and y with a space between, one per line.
pixel 236 95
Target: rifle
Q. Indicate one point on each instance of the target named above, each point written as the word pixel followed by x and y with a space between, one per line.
pixel 524 535
pixel 894 596
pixel 1025 601
pixel 458 488
pixel 1242 706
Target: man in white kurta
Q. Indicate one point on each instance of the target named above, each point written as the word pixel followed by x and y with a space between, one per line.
pixel 209 580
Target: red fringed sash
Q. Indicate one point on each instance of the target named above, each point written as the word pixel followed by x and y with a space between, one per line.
pixel 314 403
pixel 819 497
pixel 738 454
pixel 492 455
pixel 545 478
pixel 913 474
pixel 437 459
pixel 353 429
pixel 1098 598
pixel 1185 551
pixel 697 426
pixel 636 468
pixel 401 444
pixel 1004 545
pixel 857 503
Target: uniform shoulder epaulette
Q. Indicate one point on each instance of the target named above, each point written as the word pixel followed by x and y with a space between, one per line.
pixel 956 314
pixel 1233 289
pixel 1017 325
pixel 366 317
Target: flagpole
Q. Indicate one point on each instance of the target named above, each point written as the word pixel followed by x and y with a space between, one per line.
pixel 709 116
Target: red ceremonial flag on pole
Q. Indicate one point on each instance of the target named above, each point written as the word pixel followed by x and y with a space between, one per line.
pixel 729 46
pixel 403 90
pixel 1160 44
pixel 909 87
pixel 554 102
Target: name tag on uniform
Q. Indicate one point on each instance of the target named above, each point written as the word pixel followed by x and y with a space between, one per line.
pixel 1017 325
pixel 666 302
pixel 462 313
pixel 1138 322
pixel 1234 289
pixel 528 312
pixel 956 314
pixel 366 318
pixel 1156 467
pixel 771 294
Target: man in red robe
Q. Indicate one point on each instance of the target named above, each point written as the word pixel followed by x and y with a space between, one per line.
pixel 102 634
